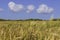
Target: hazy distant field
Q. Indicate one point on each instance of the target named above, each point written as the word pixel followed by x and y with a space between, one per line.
pixel 29 30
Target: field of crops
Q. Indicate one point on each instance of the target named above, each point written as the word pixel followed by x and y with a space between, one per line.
pixel 29 30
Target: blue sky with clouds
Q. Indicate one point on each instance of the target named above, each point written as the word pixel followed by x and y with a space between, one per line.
pixel 25 9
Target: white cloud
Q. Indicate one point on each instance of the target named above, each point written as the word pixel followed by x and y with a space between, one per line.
pixel 19 7
pixel 30 8
pixel 1 9
pixel 15 7
pixel 44 9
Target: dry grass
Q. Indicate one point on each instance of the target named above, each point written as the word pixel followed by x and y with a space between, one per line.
pixel 29 30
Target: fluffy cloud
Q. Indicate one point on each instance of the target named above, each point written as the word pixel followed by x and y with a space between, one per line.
pixel 1 9
pixel 19 7
pixel 30 8
pixel 15 7
pixel 44 9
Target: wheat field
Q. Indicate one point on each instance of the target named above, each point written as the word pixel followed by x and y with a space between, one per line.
pixel 29 30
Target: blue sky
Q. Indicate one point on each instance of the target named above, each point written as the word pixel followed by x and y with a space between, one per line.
pixel 25 9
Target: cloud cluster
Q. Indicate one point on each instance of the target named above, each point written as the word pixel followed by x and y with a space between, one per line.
pixel 43 8
pixel 15 7
pixel 30 8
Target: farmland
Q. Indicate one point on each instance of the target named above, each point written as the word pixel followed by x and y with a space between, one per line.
pixel 29 30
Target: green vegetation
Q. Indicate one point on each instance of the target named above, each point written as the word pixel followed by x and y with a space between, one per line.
pixel 29 20
pixel 29 30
